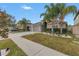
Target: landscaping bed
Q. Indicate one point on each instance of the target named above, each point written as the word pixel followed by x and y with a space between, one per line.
pixel 14 49
pixel 64 45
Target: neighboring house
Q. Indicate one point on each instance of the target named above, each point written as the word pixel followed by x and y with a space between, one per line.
pixel 36 27
pixel 75 29
pixel 29 27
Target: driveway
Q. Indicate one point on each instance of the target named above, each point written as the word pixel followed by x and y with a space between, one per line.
pixel 31 48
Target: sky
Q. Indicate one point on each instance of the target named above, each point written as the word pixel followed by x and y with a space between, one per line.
pixel 31 11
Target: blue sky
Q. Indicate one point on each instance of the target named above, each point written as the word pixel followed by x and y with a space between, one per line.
pixel 31 11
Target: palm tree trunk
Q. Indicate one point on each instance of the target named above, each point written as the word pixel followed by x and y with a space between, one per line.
pixel 62 20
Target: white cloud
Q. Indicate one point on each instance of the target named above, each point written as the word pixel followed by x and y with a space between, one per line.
pixel 26 7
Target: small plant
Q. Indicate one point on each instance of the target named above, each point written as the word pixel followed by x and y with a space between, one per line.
pixel 4 33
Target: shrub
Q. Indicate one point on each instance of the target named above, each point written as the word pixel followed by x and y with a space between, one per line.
pixel 4 33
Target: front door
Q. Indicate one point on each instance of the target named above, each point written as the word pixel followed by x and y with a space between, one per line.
pixel 28 28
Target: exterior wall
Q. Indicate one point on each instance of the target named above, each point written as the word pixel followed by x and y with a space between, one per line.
pixel 76 31
pixel 49 25
pixel 76 21
pixel 30 27
pixel 37 27
pixel 56 24
pixel 63 26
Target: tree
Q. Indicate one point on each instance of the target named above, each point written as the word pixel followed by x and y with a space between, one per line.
pixel 50 13
pixel 65 10
pixel 57 11
pixel 5 21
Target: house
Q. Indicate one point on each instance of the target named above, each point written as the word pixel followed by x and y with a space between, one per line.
pixel 36 27
pixel 29 27
pixel 56 26
pixel 75 29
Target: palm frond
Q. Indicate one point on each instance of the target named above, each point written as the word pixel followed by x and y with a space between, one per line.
pixel 43 14
pixel 69 9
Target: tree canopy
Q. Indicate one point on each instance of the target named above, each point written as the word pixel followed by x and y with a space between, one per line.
pixel 57 10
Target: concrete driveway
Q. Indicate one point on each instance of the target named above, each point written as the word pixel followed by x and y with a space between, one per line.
pixel 31 48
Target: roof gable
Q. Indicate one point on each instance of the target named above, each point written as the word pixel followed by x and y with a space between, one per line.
pixel 76 15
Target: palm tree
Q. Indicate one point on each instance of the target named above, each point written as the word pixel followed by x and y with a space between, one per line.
pixel 58 10
pixel 65 10
pixel 50 13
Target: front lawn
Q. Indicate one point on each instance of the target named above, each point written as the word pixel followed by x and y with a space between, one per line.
pixel 14 49
pixel 64 45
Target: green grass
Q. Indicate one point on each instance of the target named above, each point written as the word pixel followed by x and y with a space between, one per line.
pixel 64 45
pixel 14 49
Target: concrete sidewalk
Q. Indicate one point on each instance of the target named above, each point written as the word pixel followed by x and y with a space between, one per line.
pixel 32 48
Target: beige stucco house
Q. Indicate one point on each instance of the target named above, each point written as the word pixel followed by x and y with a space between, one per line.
pixel 36 27
pixel 29 27
pixel 75 29
pixel 57 25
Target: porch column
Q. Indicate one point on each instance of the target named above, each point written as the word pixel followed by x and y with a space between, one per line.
pixel 61 30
